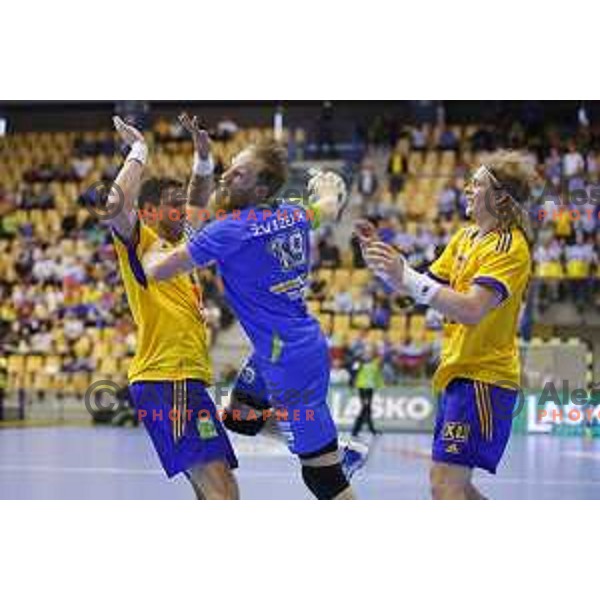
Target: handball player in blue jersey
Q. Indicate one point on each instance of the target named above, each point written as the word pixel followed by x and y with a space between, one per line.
pixel 261 247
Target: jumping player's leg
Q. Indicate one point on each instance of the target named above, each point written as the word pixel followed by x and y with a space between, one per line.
pixel 298 388
pixel 323 474
pixel 249 404
pixel 472 429
pixel 181 420
pixel 246 413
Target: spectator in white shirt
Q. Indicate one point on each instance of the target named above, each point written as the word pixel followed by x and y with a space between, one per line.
pixel 573 163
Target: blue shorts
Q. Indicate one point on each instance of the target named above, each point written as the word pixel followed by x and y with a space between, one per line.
pixel 296 387
pixel 473 424
pixel 183 424
pixel 250 382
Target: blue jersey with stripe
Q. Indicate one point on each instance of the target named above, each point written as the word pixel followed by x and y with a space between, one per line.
pixel 263 256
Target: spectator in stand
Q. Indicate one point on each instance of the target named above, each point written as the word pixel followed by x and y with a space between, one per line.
pixel 548 260
pixel 592 165
pixel 41 341
pixel 328 254
pixel 553 167
pixel 412 358
pixel 358 346
pixel 226 129
pixel 363 302
pixel 339 374
pixel 563 224
pixel 581 258
pixel 367 183
pixel 448 140
pixel 484 139
pixel 381 313
pixel 573 163
pixel 343 302
pixel 396 169
pixel 418 139
pixel 81 166
pixel 448 201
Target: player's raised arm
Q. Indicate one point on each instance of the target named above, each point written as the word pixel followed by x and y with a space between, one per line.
pixel 329 196
pixel 121 199
pixel 467 308
pixel 201 182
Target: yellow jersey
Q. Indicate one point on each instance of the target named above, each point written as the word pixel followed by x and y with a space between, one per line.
pixel 171 334
pixel 487 351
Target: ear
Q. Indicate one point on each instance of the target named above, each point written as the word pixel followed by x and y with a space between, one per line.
pixel 261 192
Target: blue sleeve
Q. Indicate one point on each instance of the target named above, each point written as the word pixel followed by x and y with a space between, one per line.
pixel 216 241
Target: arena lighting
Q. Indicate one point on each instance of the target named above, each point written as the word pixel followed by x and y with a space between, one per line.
pixel 3 126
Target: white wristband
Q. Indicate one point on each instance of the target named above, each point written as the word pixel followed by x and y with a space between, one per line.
pixel 203 168
pixel 139 152
pixel 421 287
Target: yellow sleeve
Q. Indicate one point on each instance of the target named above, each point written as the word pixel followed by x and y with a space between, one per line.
pixel 441 269
pixel 505 265
pixel 132 250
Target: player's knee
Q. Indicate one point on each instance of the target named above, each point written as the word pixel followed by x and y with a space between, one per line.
pixel 244 415
pixel 326 483
pixel 445 485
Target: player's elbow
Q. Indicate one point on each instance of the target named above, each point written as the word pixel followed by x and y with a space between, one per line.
pixel 157 272
pixel 471 313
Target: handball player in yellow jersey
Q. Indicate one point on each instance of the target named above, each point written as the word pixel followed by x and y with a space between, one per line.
pixel 478 284
pixel 171 367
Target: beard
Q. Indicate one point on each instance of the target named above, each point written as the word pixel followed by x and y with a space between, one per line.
pixel 227 199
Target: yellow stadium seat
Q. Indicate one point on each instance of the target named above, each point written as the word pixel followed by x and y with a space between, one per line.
pixel 16 364
pixel 325 321
pixel 360 277
pixel 375 336
pixel 34 364
pixel 108 366
pixel 342 277
pixel 398 322
pixel 361 321
pixel 417 323
pixel 80 382
pixel 397 336
pixel 314 306
pixel 341 323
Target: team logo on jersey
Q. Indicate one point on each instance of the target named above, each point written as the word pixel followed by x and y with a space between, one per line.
pixel 206 428
pixel 455 432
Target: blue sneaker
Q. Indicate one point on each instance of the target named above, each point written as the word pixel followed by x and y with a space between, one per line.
pixel 354 457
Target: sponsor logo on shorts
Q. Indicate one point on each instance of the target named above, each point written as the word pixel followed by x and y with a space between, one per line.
pixel 452 449
pixel 206 428
pixel 455 432
pixel 248 375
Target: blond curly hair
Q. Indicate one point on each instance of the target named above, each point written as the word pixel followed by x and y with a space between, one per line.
pixel 512 178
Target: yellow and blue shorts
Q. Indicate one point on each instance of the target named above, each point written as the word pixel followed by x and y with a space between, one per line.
pixel 473 424
pixel 183 424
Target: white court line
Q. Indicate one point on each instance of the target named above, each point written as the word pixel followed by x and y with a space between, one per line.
pixel 274 475
pixel 581 454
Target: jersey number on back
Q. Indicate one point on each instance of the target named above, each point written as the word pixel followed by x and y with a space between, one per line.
pixel 289 250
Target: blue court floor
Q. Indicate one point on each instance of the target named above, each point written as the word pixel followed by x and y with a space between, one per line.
pixel 110 463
